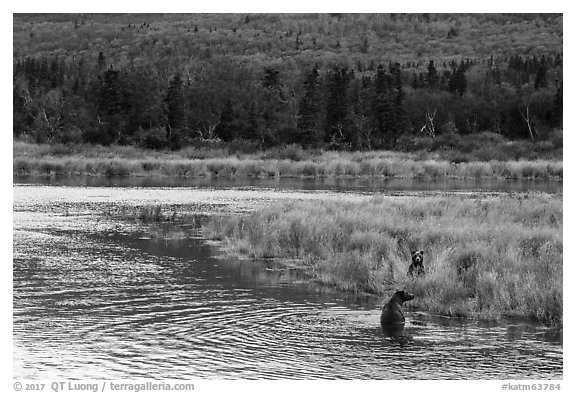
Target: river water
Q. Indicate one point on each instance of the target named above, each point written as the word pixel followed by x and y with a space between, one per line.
pixel 95 297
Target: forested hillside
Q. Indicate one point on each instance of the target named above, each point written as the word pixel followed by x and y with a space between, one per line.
pixel 343 81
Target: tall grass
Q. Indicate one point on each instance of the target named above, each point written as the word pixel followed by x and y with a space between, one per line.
pixel 487 257
pixel 288 162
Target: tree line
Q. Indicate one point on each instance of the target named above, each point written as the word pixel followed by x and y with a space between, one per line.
pixel 368 106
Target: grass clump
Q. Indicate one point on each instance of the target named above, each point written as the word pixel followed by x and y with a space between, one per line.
pixel 488 257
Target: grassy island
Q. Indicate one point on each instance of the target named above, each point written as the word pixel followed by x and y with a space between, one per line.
pixel 486 257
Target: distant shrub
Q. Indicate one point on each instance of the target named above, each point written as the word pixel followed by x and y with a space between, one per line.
pixel 115 168
pixel 98 135
pixel 449 128
pixel 241 146
pixel 21 166
pixel 150 165
pixel 153 138
pixel 544 147
pixel 406 143
pixel 291 152
pixel 175 140
pixel 199 148
pixel 458 158
pixel 309 169
pixel 60 149
pixel 52 167
pixel 556 137
pixel 487 137
pixel 70 134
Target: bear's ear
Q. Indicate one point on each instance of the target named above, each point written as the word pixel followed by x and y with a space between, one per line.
pixel 422 252
pixel 413 252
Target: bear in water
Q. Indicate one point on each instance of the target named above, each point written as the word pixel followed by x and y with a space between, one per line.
pixel 392 313
pixel 417 265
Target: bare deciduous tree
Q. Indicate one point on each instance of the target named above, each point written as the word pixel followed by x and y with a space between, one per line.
pixel 526 117
pixel 428 127
pixel 207 130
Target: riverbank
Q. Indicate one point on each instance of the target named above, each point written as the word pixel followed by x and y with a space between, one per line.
pixel 486 257
pixel 53 160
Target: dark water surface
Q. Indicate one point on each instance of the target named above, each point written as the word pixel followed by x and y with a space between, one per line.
pixel 335 184
pixel 95 297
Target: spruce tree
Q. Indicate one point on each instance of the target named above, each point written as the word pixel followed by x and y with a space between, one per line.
pixel 558 110
pixel 458 81
pixel 309 123
pixel 364 45
pixel 111 105
pixel 432 76
pixel 252 129
pixel 174 102
pixel 540 81
pixel 397 114
pixel 400 116
pixel 275 112
pixel 271 78
pixel 421 81
pixel 337 125
pixel 225 128
pixel 363 114
pixel 383 109
pixel 414 83
pixel 101 62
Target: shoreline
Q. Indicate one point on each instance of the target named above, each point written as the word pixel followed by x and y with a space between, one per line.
pixel 46 160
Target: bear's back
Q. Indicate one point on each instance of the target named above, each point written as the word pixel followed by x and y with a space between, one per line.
pixel 392 313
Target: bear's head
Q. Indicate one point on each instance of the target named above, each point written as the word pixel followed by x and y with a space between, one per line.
pixel 403 296
pixel 417 258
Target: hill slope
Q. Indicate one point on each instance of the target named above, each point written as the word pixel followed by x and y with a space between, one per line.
pixel 346 81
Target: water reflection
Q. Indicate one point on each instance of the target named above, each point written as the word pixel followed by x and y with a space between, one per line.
pixel 321 184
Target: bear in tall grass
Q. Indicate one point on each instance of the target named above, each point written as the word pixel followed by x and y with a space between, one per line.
pixel 417 265
pixel 392 312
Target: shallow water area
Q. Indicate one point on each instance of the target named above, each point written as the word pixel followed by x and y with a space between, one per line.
pixel 96 297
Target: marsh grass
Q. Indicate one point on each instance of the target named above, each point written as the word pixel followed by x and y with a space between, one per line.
pixel 487 257
pixel 161 222
pixel 34 159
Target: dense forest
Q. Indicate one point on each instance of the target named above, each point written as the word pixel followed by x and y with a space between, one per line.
pixel 338 81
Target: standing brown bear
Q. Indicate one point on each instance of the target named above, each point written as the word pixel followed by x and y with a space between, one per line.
pixel 392 312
